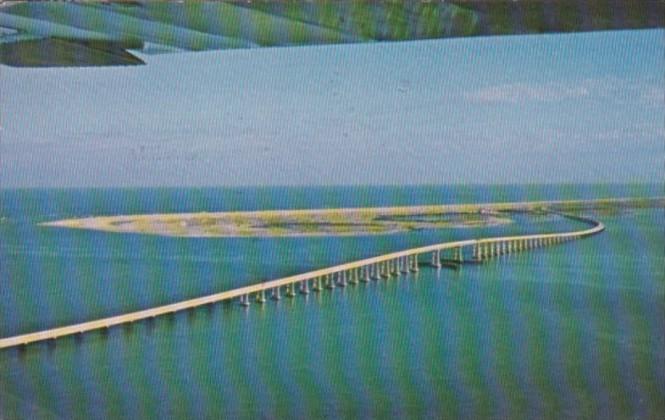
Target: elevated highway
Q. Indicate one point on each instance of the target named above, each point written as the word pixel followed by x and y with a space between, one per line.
pixel 365 270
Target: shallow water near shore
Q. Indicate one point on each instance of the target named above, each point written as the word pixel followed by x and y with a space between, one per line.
pixel 568 331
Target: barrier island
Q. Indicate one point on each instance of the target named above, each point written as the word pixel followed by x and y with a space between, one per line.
pixel 340 221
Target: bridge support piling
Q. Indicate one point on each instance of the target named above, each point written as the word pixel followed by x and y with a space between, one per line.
pixel 275 294
pixel 261 296
pixel 393 268
pixel 290 290
pixel 436 259
pixel 244 300
pixel 304 287
pixel 353 276
pixel 457 255
pixel 341 280
pixel 330 283
pixel 404 266
pixel 383 272
pixel 414 263
pixel 365 277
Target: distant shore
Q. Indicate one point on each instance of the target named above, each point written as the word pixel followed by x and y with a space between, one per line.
pixel 338 222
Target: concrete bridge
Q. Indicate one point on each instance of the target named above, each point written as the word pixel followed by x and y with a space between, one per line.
pixel 365 270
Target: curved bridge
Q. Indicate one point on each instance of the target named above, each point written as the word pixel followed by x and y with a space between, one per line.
pixel 383 266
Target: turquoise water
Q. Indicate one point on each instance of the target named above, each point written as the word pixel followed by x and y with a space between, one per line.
pixel 568 331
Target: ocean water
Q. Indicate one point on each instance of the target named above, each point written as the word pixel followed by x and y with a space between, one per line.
pixel 571 331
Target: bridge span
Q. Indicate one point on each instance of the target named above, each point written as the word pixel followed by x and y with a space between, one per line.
pixel 365 270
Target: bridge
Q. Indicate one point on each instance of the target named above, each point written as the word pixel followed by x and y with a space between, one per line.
pixel 365 270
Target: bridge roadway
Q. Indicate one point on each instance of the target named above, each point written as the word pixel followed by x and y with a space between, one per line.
pixel 363 270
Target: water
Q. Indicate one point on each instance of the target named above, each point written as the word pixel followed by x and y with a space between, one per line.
pixel 568 331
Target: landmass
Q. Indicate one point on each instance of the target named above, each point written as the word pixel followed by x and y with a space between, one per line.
pixel 342 221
